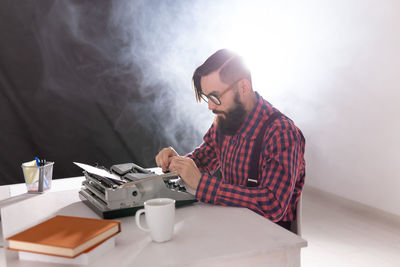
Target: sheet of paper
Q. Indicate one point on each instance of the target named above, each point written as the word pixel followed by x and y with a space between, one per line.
pixel 97 171
pixel 31 171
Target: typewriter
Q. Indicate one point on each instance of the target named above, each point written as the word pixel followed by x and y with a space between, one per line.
pixel 113 198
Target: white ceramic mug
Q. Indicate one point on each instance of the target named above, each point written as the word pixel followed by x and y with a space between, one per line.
pixel 160 215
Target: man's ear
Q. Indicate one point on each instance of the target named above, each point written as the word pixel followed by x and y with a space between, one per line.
pixel 244 87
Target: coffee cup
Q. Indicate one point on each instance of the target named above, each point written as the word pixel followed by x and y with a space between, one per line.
pixel 160 215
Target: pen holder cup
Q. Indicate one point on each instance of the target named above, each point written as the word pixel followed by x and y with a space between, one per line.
pixel 38 178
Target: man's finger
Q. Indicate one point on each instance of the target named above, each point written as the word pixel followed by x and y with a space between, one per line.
pixel 179 158
pixel 165 164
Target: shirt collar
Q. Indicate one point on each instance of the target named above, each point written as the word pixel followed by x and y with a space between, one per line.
pixel 255 115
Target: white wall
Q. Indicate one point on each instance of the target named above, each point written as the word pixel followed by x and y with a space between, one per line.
pixel 331 65
pixel 344 92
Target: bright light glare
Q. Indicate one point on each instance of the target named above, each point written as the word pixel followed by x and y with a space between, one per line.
pixel 261 35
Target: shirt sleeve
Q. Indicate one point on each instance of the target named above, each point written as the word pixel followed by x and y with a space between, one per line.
pixel 280 160
pixel 205 156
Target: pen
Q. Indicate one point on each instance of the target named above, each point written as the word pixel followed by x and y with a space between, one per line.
pixel 37 161
pixel 40 188
pixel 43 161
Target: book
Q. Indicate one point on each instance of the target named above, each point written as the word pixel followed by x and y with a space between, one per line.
pixel 66 236
pixel 86 258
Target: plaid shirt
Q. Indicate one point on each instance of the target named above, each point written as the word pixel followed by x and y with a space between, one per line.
pixel 281 171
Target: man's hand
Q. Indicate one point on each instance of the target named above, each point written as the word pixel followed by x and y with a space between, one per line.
pixel 187 170
pixel 164 157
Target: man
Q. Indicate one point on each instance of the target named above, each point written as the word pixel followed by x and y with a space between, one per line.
pixel 252 156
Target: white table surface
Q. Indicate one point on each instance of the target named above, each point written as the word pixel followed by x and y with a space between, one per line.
pixel 15 193
pixel 204 235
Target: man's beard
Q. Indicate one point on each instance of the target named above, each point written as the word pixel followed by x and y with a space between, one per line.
pixel 234 118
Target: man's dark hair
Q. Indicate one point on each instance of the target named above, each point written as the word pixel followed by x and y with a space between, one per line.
pixel 230 65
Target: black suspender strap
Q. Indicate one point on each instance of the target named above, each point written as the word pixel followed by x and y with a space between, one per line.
pixel 252 180
pixel 219 139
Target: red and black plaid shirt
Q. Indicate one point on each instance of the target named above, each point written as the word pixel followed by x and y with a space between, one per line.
pixel 281 171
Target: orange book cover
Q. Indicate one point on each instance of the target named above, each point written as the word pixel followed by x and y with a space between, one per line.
pixel 66 236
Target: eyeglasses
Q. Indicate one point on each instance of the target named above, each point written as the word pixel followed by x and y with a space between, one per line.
pixel 214 98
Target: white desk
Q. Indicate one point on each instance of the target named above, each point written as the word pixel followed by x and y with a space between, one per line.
pixel 204 235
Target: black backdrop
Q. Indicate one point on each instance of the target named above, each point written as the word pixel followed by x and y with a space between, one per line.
pixel 75 85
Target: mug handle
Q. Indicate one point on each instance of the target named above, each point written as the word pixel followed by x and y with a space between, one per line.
pixel 137 219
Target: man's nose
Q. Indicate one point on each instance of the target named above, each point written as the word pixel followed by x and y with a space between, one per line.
pixel 211 105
